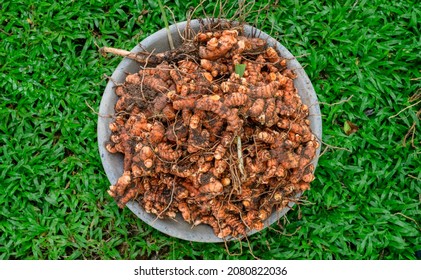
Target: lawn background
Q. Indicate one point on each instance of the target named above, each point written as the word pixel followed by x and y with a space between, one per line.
pixel 364 203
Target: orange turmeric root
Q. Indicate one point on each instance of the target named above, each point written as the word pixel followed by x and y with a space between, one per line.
pixel 217 48
pixel 199 139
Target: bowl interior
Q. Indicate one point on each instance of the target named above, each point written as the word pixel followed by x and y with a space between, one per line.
pixel 113 163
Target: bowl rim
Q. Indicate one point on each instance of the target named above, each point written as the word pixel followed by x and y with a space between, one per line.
pixel 180 228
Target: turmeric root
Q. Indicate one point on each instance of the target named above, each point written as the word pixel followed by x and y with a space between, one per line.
pixel 156 133
pixel 217 107
pixel 188 103
pixel 303 130
pixel 167 153
pixel 214 125
pixel 236 99
pixel 257 108
pixel 220 152
pixel 217 48
pixel 254 69
pixel 200 140
pixel 119 188
pixel 265 91
pixel 213 187
pixel 266 137
pixel 204 37
pixel 214 67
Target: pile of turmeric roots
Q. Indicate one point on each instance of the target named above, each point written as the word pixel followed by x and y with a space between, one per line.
pixel 220 146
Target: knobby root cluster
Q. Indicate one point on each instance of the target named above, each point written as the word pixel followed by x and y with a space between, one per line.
pixel 200 140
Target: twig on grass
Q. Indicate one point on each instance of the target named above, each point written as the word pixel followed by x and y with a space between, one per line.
pixel 414 97
pixel 353 6
pixel 411 132
pixel 97 113
pixel 286 234
pixel 412 129
pixel 404 109
pixel 409 218
pixel 8 34
pixel 413 177
pixel 328 146
pixel 229 252
pixel 250 250
pixel 299 56
pixel 337 103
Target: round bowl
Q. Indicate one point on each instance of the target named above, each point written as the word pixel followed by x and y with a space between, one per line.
pixel 113 163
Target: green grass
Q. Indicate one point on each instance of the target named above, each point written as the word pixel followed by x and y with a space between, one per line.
pixel 364 204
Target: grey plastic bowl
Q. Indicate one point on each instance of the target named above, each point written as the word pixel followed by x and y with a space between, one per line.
pixel 113 163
